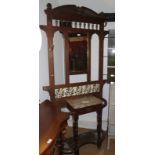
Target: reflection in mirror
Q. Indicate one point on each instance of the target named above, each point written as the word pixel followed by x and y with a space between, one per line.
pixel 77 53
pixel 105 58
pixel 94 57
pixel 59 65
pixel 111 56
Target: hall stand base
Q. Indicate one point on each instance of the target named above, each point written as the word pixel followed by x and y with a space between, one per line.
pixel 89 137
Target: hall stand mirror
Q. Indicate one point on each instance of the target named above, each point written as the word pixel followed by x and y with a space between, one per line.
pixel 77 25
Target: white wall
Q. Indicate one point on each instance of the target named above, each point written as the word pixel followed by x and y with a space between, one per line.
pixel 98 5
pixel 43 68
pixel 42 7
pixel 59 54
pixel 88 120
pixel 94 57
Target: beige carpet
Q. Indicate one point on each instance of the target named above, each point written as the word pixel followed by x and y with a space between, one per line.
pixel 91 149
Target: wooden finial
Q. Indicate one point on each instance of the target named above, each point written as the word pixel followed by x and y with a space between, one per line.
pixel 49 6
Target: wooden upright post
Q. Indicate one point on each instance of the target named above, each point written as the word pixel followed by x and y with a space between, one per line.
pixel 101 51
pixel 66 47
pixel 50 34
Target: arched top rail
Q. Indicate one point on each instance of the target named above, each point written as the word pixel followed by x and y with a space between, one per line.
pixel 75 13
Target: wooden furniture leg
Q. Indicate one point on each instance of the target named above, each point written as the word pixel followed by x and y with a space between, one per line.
pixel 53 152
pixel 75 134
pixel 99 127
pixel 61 141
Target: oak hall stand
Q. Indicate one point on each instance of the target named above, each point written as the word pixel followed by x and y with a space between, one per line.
pixel 83 97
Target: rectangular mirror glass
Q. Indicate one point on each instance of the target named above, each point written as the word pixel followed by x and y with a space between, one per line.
pixel 77 53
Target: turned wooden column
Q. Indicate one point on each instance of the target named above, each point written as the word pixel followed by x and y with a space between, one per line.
pixel 99 127
pixel 61 141
pixel 101 54
pixel 75 133
pixel 50 35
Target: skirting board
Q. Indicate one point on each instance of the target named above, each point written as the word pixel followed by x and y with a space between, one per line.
pixel 88 124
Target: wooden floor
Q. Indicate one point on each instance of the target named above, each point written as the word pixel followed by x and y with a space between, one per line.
pixel 91 149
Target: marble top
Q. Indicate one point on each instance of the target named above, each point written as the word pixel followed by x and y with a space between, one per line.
pixel 84 101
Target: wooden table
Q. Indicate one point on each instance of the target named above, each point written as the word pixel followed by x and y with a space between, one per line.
pixel 83 105
pixel 52 123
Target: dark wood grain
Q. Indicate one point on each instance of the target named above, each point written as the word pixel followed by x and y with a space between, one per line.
pixel 66 57
pixel 101 51
pixel 83 14
pixel 51 122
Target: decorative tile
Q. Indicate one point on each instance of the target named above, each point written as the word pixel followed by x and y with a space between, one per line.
pixel 78 90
